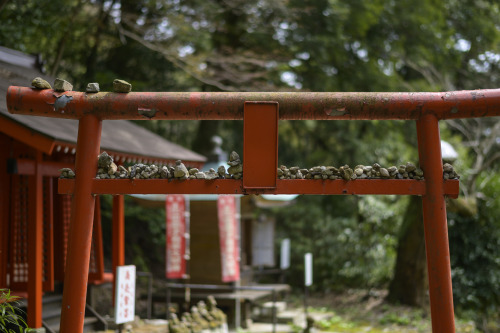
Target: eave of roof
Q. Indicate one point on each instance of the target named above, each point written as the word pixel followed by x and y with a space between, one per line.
pixel 124 139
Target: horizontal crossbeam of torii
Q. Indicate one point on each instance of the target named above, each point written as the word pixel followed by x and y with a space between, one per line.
pixel 229 105
pixel 258 109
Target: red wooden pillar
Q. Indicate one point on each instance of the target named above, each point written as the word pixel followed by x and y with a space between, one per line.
pixel 35 245
pixel 80 232
pixel 118 241
pixel 98 274
pixel 118 231
pixel 4 209
pixel 48 235
pixel 435 224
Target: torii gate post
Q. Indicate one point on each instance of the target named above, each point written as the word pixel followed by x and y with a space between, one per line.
pixel 435 225
pixel 80 232
pixel 426 108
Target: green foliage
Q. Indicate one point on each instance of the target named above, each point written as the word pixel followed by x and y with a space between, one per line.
pixel 475 255
pixel 144 234
pixel 309 143
pixel 393 318
pixel 352 239
pixel 11 320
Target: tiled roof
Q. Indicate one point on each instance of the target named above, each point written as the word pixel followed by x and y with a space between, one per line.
pixel 119 136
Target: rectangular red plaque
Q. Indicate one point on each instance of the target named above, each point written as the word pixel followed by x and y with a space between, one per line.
pixel 260 144
pixel 176 241
pixel 228 236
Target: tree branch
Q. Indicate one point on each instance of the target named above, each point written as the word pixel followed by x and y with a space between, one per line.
pixel 174 60
pixel 490 161
pixel 456 125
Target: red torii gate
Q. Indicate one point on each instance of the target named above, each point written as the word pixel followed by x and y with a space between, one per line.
pixel 260 114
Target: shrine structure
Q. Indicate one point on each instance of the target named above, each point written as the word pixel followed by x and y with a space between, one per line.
pixel 34 218
pixel 260 113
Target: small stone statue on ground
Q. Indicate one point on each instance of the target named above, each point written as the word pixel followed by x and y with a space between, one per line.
pixel 217 313
pixel 195 314
pixel 202 308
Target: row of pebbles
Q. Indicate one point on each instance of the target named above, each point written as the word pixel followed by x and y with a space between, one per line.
pixel 107 169
pixel 449 172
pixel 119 86
pixel 203 318
pixel 67 173
pixel 404 171
pixel 375 171
pixel 235 170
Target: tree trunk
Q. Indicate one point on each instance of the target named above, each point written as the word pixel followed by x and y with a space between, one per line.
pixel 2 4
pixel 61 45
pixel 409 284
pixel 101 22
pixel 60 50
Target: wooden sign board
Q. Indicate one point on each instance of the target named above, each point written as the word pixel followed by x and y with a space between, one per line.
pixel 125 294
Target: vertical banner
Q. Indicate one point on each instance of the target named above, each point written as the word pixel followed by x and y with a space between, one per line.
pixel 125 294
pixel 176 236
pixel 228 235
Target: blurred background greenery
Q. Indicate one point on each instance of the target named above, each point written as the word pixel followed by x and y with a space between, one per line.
pixel 306 45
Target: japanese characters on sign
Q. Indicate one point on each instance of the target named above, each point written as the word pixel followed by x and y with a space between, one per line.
pixel 176 236
pixel 228 234
pixel 125 294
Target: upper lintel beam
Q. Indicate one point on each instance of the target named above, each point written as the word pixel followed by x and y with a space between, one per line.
pixel 229 105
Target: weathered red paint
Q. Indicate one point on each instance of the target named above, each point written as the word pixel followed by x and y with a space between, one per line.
pixel 229 105
pixel 80 233
pixel 426 108
pixel 35 246
pixel 283 186
pixel 260 144
pixel 435 226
